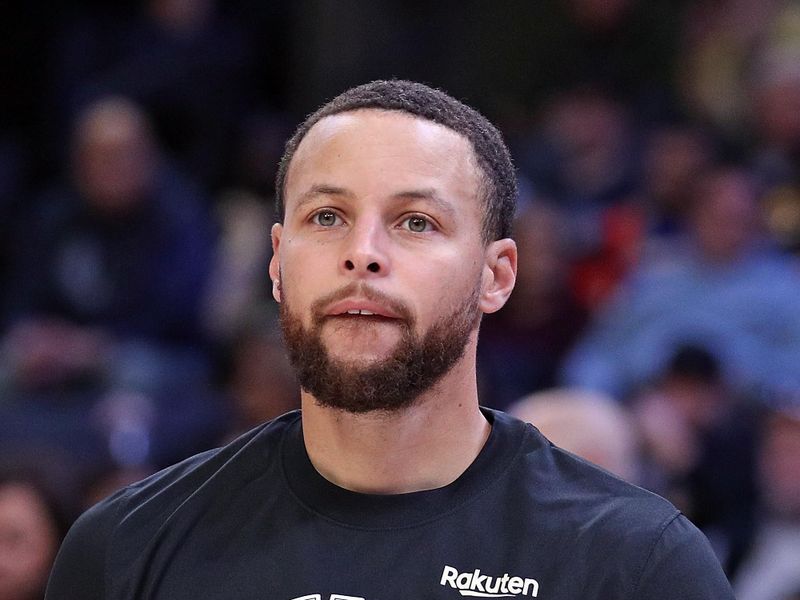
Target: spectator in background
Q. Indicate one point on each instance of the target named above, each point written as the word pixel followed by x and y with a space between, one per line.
pixel 588 424
pixel 719 39
pixel 675 154
pixel 521 346
pixel 775 121
pixel 182 60
pixel 584 158
pixel 32 525
pixel 651 213
pixel 108 278
pixel 771 570
pixel 698 442
pixel 742 75
pixel 775 110
pixel 721 287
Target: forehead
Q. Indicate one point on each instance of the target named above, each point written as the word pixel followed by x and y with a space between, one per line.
pixel 369 146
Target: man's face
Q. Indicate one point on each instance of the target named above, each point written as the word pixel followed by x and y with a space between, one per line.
pixel 725 219
pixel 380 257
pixel 114 160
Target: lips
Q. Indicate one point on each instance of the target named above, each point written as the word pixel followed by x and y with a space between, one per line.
pixel 360 307
pixel 359 302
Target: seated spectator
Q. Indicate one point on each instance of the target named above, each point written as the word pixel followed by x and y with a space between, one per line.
pixel 108 276
pixel 721 288
pixel 675 154
pixel 719 39
pixel 588 424
pixel 771 569
pixel 584 158
pixel 698 442
pixel 186 62
pixel 774 92
pixel 775 124
pixel 32 525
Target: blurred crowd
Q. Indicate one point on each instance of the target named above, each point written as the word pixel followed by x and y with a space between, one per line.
pixel 654 328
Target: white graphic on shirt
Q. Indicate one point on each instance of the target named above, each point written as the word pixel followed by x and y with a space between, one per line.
pixel 472 583
pixel 333 597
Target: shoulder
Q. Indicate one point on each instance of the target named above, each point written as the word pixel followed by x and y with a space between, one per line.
pixel 681 564
pixel 637 538
pixel 614 506
pixel 124 523
pixel 245 457
pixel 573 497
pixel 553 473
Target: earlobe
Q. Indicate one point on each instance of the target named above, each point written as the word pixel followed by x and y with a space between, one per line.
pixel 499 274
pixel 275 261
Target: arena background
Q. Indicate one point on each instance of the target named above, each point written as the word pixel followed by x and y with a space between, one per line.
pixel 654 328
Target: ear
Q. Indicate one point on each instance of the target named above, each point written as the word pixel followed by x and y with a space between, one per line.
pixel 499 274
pixel 275 261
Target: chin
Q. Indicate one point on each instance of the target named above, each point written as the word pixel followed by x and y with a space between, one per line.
pixel 362 349
pixel 358 357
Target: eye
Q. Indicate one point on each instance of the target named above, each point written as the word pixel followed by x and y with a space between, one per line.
pixel 325 218
pixel 417 224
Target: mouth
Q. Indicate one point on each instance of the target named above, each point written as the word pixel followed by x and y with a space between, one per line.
pixel 363 317
pixel 361 309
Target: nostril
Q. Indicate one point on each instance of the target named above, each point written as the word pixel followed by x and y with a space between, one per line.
pixel 373 267
pixel 348 264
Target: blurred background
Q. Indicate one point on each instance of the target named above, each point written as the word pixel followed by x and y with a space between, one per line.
pixel 655 328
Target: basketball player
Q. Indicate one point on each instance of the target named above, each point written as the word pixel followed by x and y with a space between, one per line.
pixel 392 482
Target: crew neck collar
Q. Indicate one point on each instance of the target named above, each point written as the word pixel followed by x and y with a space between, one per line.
pixel 398 511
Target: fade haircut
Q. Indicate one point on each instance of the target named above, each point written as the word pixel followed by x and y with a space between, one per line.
pixel 498 190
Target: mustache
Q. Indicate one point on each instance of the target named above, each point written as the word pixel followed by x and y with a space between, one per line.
pixel 360 290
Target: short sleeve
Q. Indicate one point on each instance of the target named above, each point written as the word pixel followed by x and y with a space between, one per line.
pixel 79 569
pixel 682 566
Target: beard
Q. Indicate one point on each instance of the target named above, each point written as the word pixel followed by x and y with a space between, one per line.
pixel 388 385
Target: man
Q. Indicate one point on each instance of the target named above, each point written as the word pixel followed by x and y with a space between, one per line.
pixel 396 202
pixel 106 339
pixel 721 287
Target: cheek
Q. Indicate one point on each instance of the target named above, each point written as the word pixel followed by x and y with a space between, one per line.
pixel 304 279
pixel 301 266
pixel 441 284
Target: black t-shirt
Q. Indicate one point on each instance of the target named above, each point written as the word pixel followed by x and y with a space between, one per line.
pixel 255 521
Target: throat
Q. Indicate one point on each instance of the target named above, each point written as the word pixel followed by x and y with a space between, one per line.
pixel 393 454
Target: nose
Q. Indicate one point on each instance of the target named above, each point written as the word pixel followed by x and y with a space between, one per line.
pixel 365 252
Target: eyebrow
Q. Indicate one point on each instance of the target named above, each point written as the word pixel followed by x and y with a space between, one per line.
pixel 427 194
pixel 322 190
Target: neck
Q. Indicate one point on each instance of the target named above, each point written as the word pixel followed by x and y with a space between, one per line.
pixel 425 446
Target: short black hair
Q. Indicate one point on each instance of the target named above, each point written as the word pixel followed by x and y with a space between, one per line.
pixel 692 361
pixel 499 185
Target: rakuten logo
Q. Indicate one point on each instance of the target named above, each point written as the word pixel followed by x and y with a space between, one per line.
pixel 482 586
